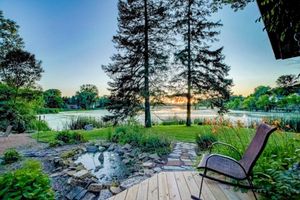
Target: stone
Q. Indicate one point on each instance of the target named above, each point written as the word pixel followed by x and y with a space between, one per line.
pixel 71 172
pixel 105 194
pixel 148 172
pixel 126 161
pixel 101 149
pixel 127 147
pixel 154 156
pixel 56 174
pixel 132 181
pixel 101 157
pixel 89 196
pixel 148 164
pixel 81 174
pixel 115 190
pixel 95 187
pixel 111 147
pixel 74 192
pixel 92 149
pixel 173 168
pixel 157 169
pixel 80 195
pixel 88 127
pixel 143 155
pixel 97 168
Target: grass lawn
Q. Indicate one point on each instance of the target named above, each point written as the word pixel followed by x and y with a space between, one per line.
pixel 174 132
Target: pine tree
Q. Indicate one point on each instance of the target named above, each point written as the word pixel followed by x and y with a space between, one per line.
pixel 140 60
pixel 201 70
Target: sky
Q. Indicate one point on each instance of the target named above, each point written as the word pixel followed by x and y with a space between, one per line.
pixel 73 38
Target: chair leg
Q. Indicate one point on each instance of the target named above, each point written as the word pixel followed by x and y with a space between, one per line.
pixel 201 186
pixel 252 187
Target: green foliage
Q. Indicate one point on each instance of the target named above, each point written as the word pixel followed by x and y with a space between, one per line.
pixel 11 156
pixel 48 110
pixel 87 96
pixel 204 140
pixel 39 125
pixel 173 121
pixel 70 137
pixel 80 121
pixel 136 136
pixel 29 182
pixel 53 99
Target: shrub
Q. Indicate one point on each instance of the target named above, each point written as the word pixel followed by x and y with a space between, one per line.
pixel 69 137
pixel 39 125
pixel 173 121
pixel 11 156
pixel 205 140
pixel 136 136
pixel 79 123
pixel 29 182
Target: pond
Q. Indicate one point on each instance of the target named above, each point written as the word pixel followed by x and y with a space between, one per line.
pixel 106 166
pixel 59 120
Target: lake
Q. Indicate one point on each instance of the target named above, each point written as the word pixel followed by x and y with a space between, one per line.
pixel 58 121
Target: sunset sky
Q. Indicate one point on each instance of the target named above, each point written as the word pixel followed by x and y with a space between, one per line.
pixel 73 39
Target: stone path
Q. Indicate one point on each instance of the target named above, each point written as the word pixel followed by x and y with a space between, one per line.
pixel 16 141
pixel 182 157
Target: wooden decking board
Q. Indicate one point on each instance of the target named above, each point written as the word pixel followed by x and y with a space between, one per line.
pixel 180 186
pixel 172 186
pixel 153 188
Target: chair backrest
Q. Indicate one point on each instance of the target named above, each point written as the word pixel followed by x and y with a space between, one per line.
pixel 256 146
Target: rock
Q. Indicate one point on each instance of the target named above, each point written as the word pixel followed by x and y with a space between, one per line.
pixel 92 149
pixel 71 172
pixel 88 127
pixel 105 194
pixel 95 187
pixel 97 168
pixel 56 174
pixel 143 155
pixel 132 181
pixel 154 156
pixel 127 147
pixel 111 147
pixel 74 192
pixel 101 176
pixel 80 195
pixel 126 161
pixel 157 169
pixel 89 196
pixel 82 174
pixel 148 172
pixel 115 190
pixel 148 164
pixel 101 149
pixel 101 158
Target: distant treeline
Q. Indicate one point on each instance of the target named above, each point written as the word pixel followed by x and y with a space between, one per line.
pixel 284 97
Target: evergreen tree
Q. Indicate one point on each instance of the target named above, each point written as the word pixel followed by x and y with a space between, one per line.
pixel 137 67
pixel 201 69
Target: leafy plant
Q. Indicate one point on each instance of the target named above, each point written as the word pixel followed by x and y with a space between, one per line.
pixel 29 182
pixel 80 122
pixel 11 156
pixel 39 125
pixel 205 140
pixel 70 137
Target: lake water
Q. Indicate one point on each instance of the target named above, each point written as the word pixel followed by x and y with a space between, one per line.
pixel 58 121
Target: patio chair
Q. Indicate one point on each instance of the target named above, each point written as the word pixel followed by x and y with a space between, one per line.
pixel 229 167
pixel 7 132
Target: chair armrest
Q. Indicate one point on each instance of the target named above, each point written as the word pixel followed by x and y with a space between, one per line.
pixel 224 144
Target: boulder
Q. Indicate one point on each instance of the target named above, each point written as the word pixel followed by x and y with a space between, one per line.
pixel 115 190
pixel 92 149
pixel 148 164
pixel 95 187
pixel 89 196
pixel 82 174
pixel 74 192
pixel 88 127
pixel 127 147
pixel 105 194
pixel 154 156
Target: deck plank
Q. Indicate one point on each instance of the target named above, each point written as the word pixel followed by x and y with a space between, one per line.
pixel 206 192
pixel 216 190
pixel 192 185
pixel 163 187
pixel 172 187
pixel 143 190
pixel 182 186
pixel 132 192
pixel 153 188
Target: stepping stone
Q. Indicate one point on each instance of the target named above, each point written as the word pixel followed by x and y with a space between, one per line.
pixel 173 168
pixel 174 163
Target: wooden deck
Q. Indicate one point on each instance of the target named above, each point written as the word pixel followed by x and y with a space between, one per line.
pixel 180 186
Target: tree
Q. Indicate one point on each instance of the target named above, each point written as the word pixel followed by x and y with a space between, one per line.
pixel 138 66
pixel 263 102
pixel 9 37
pixel 201 69
pixel 286 81
pixel 53 99
pixel 20 69
pixel 261 90
pixel 87 96
pixel 249 103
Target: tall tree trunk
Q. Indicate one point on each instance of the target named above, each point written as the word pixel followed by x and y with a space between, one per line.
pixel 146 59
pixel 188 106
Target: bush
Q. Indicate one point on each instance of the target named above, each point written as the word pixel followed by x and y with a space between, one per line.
pixel 11 156
pixel 29 182
pixel 80 122
pixel 39 125
pixel 136 136
pixel 205 140
pixel 69 137
pixel 173 121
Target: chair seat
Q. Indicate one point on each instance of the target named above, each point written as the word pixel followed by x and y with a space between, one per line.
pixel 223 165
